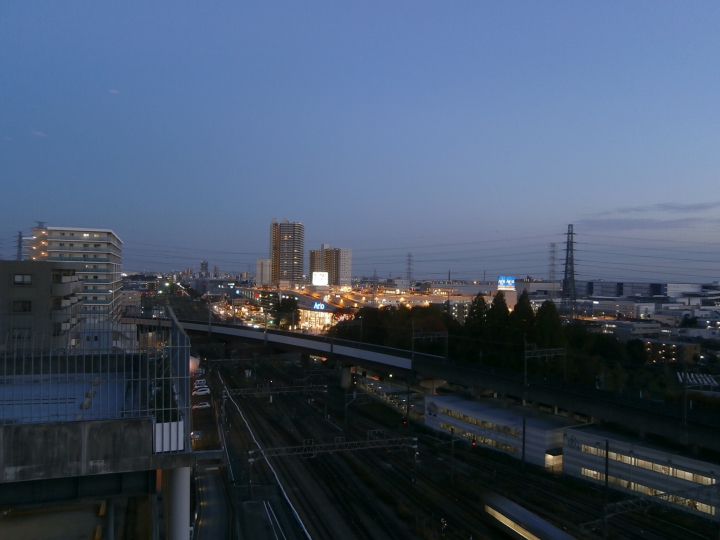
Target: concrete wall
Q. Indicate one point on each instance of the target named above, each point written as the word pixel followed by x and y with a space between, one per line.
pixel 55 450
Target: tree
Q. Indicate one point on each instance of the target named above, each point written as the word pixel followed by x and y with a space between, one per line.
pixel 607 347
pixel 498 318
pixel 548 326
pixel 522 320
pixel 476 320
pixel 636 351
pixel 287 313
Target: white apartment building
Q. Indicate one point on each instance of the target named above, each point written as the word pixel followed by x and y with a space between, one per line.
pixel 97 256
pixel 263 273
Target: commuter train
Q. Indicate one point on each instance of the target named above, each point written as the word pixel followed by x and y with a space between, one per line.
pixel 516 522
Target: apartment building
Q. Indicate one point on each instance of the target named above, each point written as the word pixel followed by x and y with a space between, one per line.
pixel 97 258
pixel 337 262
pixel 40 305
pixel 287 252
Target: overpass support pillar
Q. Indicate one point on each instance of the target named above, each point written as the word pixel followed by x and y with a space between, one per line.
pixel 345 378
pixel 176 495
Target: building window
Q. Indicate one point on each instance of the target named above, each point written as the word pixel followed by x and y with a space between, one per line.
pixel 22 306
pixel 21 333
pixel 22 279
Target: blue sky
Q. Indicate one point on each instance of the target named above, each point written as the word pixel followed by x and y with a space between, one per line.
pixel 467 133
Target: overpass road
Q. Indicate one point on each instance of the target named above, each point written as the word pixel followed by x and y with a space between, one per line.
pixel 644 416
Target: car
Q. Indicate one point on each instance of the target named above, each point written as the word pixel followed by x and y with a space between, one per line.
pixel 201 392
pixel 200 381
pixel 202 385
pixel 203 405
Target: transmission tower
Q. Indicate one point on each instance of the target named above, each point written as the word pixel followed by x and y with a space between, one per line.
pixel 552 270
pixel 569 291
pixel 409 269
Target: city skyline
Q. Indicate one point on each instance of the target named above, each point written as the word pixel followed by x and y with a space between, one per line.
pixel 468 135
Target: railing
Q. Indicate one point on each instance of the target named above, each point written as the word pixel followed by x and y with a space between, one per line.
pixel 104 373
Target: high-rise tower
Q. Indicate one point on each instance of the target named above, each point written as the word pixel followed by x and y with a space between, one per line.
pixel 337 262
pixel 287 251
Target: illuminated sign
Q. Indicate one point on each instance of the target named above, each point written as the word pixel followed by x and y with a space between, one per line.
pixel 506 283
pixel 320 278
pixel 319 305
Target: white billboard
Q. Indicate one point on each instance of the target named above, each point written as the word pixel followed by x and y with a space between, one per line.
pixel 320 278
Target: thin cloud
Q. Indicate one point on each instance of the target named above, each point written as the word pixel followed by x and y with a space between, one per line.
pixel 675 208
pixel 38 134
pixel 114 92
pixel 627 224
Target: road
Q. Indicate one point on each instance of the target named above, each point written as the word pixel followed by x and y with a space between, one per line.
pixel 213 518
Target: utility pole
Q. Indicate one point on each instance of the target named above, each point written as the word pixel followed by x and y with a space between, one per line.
pixel 552 267
pixel 607 488
pixel 452 456
pixel 409 269
pixel 412 363
pixel 265 313
pixel 523 446
pixel 20 240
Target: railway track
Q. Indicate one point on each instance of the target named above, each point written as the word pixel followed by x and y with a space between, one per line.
pixel 564 503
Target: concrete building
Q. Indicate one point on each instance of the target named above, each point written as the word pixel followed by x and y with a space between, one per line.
pixel 78 426
pixel 287 252
pixel 337 262
pixel 97 255
pixel 622 308
pixel 498 427
pixel 41 305
pixel 660 350
pixel 263 274
pixel 637 467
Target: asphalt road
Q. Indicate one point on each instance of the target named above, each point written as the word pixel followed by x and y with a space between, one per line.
pixel 213 520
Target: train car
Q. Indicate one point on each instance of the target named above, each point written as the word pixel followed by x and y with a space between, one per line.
pixel 516 522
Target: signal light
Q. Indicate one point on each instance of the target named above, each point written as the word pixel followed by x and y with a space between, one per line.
pixel 474 442
pixel 404 421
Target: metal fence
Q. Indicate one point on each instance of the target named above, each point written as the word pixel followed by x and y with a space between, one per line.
pixel 112 371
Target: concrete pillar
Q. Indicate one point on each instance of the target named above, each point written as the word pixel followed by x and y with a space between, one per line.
pixel 177 495
pixel 110 520
pixel 346 378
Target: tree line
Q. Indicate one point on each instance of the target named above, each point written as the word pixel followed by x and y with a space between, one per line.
pixel 494 335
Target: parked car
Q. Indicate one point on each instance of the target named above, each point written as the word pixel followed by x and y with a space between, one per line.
pixel 203 405
pixel 200 381
pixel 201 392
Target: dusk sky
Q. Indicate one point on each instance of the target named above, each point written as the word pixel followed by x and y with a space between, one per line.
pixel 467 133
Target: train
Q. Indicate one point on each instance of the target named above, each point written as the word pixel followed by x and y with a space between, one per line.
pixel 517 522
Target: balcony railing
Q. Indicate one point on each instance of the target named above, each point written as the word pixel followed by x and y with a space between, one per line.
pixel 57 258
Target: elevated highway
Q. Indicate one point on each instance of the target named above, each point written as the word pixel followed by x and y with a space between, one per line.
pixel 701 430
